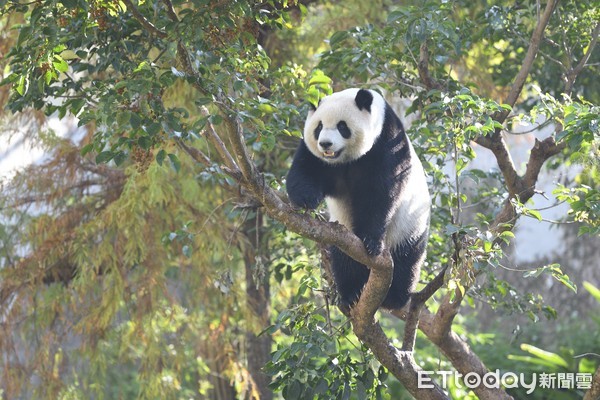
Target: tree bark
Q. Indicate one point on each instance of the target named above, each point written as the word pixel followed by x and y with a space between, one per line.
pixel 594 392
pixel 258 296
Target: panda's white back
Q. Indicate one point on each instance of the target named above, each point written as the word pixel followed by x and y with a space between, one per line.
pixel 412 214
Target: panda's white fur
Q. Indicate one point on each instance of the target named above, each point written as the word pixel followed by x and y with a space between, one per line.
pixel 413 207
pixel 373 183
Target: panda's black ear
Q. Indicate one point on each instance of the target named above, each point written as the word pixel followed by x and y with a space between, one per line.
pixel 364 99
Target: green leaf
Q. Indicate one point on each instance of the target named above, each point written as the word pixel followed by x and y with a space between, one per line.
pixel 142 66
pixel 24 34
pixel 534 213
pixel 145 142
pixel 135 120
pixel 587 366
pixel 202 101
pixel 564 279
pixel 77 105
pixel 86 149
pixel 175 162
pixel 216 119
pixel 556 272
pixel 487 246
pixel 545 355
pixel 69 3
pixel 154 128
pixel 123 118
pixel 450 229
pixel 20 88
pixel 461 164
pixel 594 291
pixel 104 157
pixel 48 77
pixel 160 157
pixel 319 78
pixel 337 38
pixel 531 360
pixel 60 64
pixel 119 157
pixel 400 13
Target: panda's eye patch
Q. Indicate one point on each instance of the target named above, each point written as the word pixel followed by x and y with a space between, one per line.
pixel 344 130
pixel 318 130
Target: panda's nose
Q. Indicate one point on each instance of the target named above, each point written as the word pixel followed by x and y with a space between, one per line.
pixel 325 144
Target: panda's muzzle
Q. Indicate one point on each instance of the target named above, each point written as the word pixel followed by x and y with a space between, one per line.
pixel 325 146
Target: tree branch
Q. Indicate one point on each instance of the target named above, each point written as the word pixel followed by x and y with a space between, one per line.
pixel 454 348
pixel 196 154
pixel 459 353
pixel 532 51
pixel 497 145
pixel 400 363
pixel 171 11
pixel 423 68
pixel 236 138
pixel 417 302
pixel 214 139
pixel 572 74
pixel 541 151
pixel 594 392
pixel 150 27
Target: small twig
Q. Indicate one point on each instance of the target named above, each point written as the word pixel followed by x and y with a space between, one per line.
pixel 142 20
pixel 196 154
pixel 535 128
pixel 171 11
pixel 417 302
pixel 551 206
pixel 574 72
pixel 456 219
pixel 423 67
pixel 236 137
pixel 218 143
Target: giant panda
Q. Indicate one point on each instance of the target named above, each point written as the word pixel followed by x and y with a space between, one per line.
pixel 356 155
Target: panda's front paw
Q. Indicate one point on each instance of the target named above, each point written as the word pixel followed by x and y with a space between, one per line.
pixel 308 200
pixel 373 246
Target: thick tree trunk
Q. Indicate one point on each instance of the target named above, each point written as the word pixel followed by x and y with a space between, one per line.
pixel 258 348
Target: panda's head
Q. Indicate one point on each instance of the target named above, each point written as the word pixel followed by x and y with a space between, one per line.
pixel 345 125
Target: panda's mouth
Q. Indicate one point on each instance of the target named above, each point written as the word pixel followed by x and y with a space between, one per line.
pixel 331 154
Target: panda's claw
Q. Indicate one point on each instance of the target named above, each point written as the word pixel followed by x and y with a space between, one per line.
pixel 374 247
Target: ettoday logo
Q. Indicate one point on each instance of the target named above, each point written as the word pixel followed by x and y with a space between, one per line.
pixel 507 380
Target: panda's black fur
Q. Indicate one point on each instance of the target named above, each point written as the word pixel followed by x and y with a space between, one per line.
pixel 379 191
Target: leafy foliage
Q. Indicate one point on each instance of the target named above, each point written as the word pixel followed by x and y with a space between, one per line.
pixel 317 363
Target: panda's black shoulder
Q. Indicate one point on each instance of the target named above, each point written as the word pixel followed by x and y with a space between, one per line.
pixel 392 126
pixel 392 150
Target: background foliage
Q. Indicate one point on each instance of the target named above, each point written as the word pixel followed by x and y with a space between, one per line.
pixel 127 270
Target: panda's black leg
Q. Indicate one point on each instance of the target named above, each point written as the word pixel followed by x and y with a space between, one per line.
pixel 350 277
pixel 407 258
pixel 305 180
pixel 370 226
